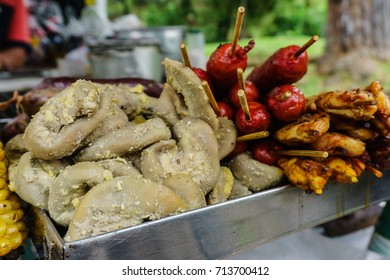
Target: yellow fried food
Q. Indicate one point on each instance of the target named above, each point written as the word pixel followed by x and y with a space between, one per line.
pixel 307 129
pixel 12 227
pixel 307 174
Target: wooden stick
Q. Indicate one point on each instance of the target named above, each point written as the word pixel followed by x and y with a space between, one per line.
pixel 253 136
pixel 237 29
pixel 364 102
pixel 305 46
pixel 374 171
pixel 210 95
pixel 285 95
pixel 244 104
pixel 5 104
pixel 303 153
pixel 184 53
pixel 240 76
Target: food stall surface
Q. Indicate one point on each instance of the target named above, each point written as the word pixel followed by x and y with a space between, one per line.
pixel 311 244
pixel 284 217
pixel 19 81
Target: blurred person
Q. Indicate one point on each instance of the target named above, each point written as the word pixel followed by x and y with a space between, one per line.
pixel 14 34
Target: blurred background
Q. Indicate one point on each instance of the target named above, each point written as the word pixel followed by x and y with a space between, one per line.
pixel 77 37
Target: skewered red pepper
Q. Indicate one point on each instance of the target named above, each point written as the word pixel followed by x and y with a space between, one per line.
pixel 286 66
pixel 222 65
pixel 260 118
pixel 286 102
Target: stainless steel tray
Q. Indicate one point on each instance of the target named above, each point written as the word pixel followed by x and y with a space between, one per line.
pixel 216 231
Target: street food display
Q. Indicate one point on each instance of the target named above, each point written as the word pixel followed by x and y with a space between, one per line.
pixel 103 155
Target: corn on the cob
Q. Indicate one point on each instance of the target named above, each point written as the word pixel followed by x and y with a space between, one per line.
pixel 13 231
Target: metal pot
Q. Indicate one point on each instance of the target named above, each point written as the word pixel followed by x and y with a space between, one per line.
pixel 168 37
pixel 116 58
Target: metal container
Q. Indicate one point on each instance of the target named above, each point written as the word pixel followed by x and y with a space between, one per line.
pixel 117 58
pixel 168 37
pixel 216 231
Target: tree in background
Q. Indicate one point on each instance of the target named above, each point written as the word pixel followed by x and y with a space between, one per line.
pixel 216 17
pixel 358 35
pixel 303 17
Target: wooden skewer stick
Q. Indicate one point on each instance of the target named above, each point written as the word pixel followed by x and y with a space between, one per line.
pixel 285 95
pixel 4 105
pixel 244 104
pixel 184 53
pixel 374 171
pixel 237 29
pixel 305 46
pixel 210 95
pixel 253 136
pixel 364 102
pixel 240 76
pixel 303 153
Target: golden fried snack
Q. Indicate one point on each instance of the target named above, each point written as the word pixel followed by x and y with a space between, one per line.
pixel 307 174
pixel 342 170
pixel 355 104
pixel 338 144
pixel 382 116
pixel 307 129
pixel 356 129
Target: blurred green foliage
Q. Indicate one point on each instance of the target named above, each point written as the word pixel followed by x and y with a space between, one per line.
pixel 216 17
pixel 305 17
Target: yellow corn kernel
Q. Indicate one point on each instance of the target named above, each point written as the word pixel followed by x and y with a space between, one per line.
pixel 4 194
pixel 3 229
pixel 16 239
pixel 3 183
pixel 12 230
pixel 15 201
pixel 5 246
pixel 5 206
pixel 21 225
pixel 12 217
pixel 3 169
pixel 2 157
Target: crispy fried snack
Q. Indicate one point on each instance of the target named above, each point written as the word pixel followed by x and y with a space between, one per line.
pixel 382 116
pixel 307 129
pixel 308 174
pixel 342 170
pixel 355 104
pixel 338 144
